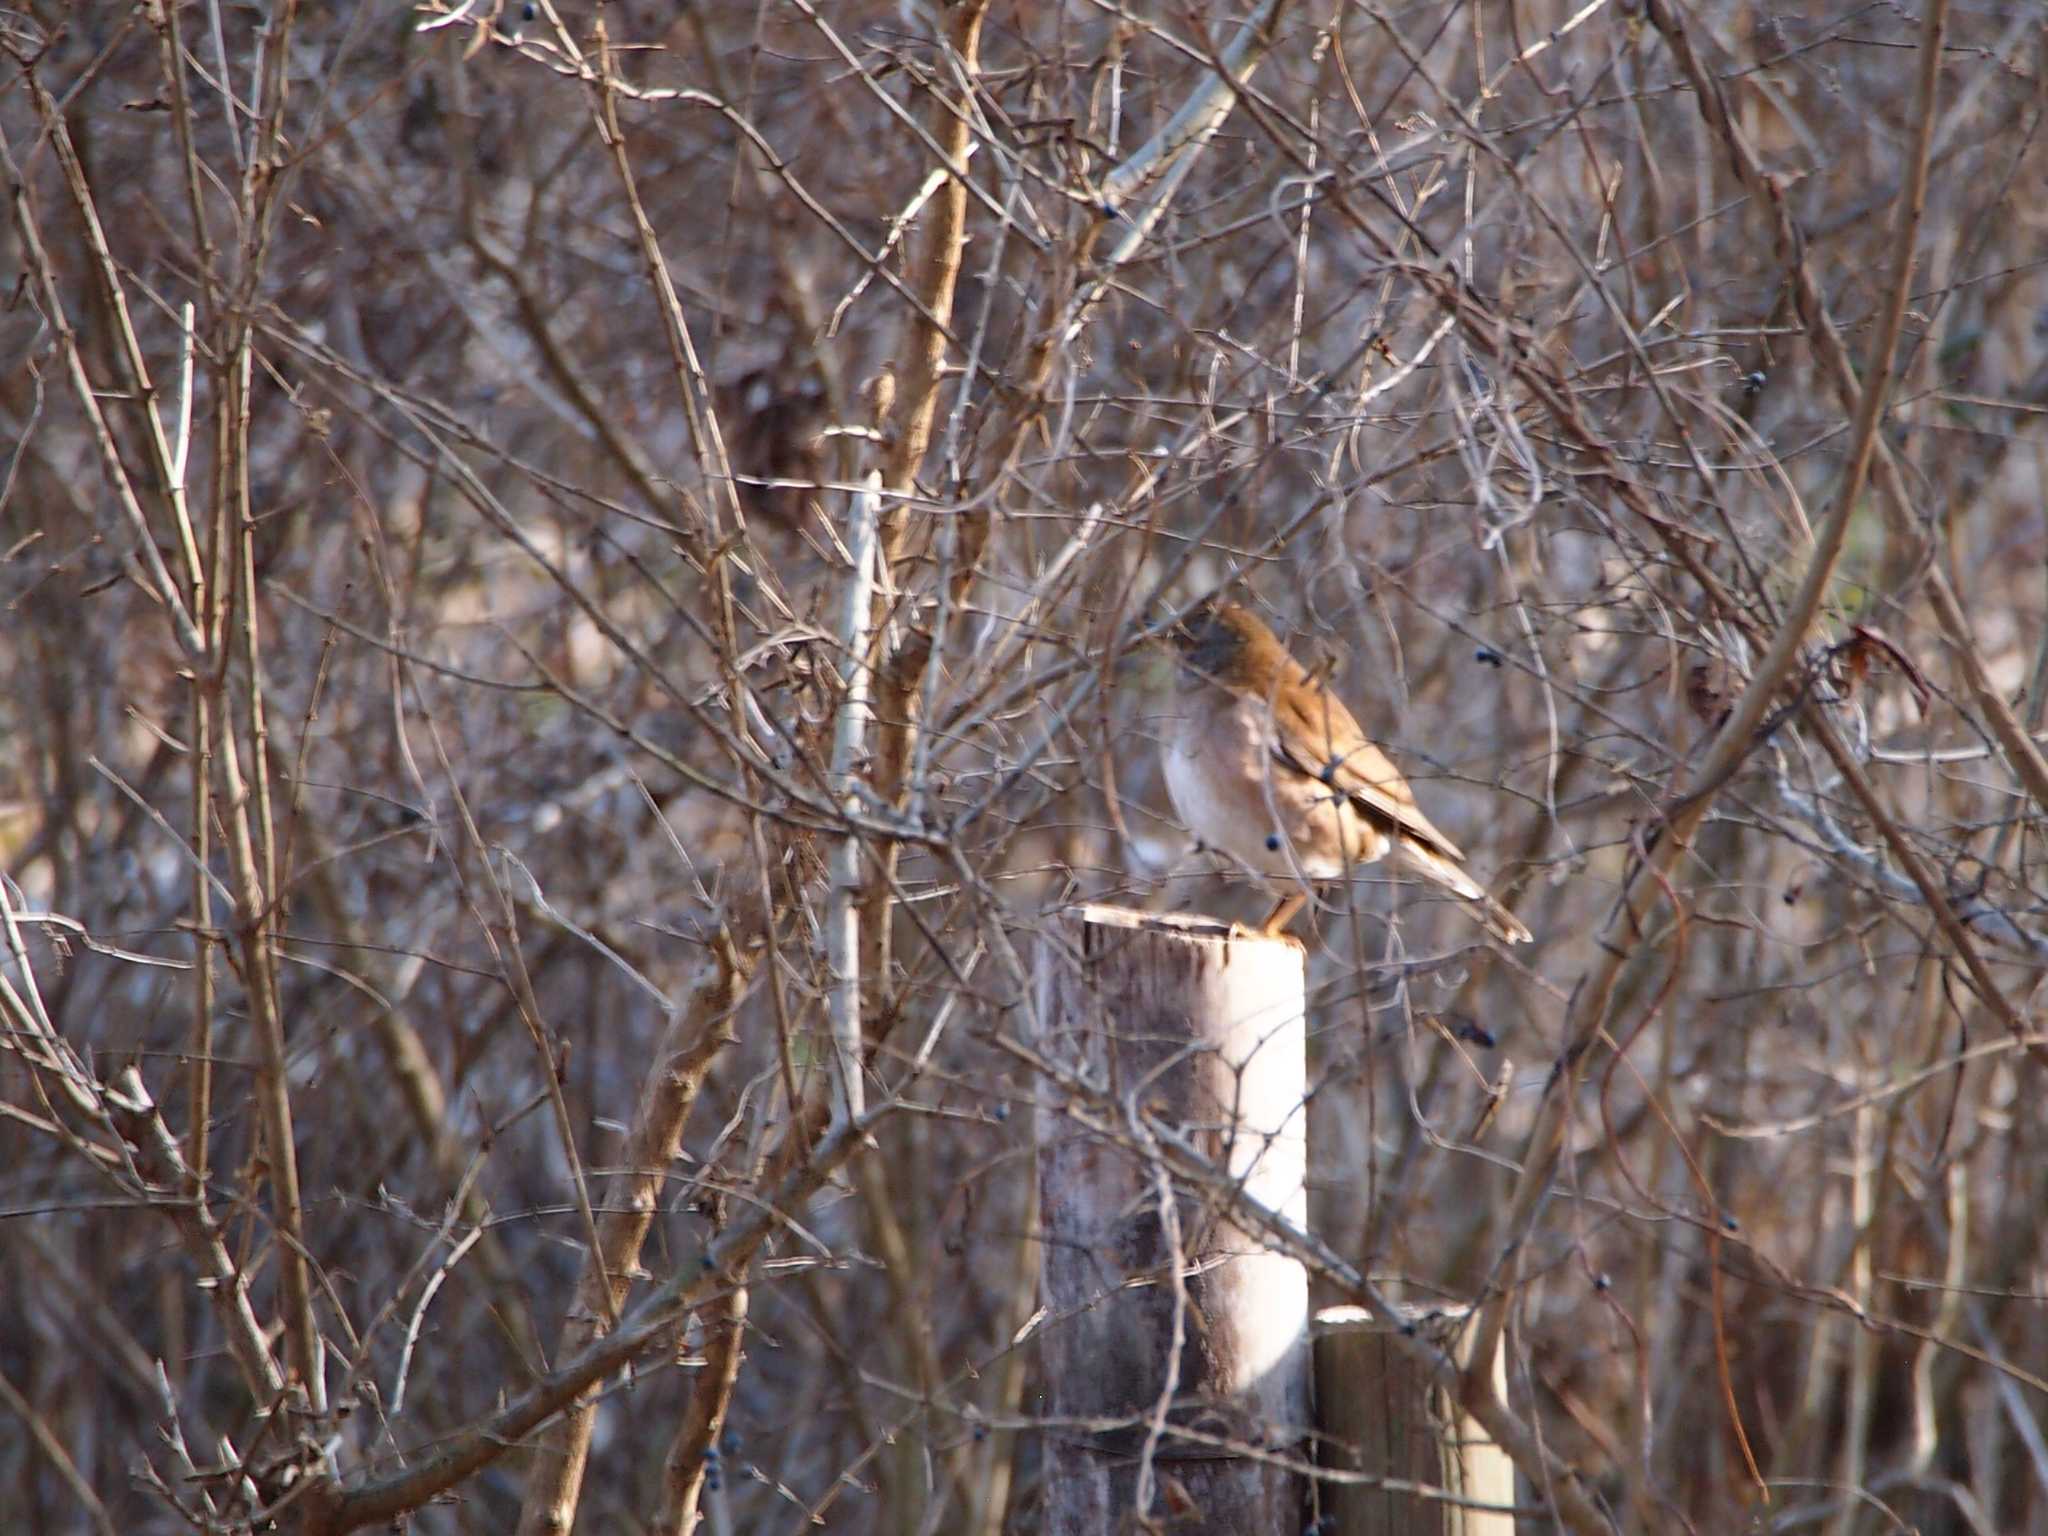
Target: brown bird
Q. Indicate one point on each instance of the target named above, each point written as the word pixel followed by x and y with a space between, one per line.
pixel 1265 766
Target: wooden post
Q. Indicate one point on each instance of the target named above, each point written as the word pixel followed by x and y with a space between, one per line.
pixel 1205 1028
pixel 1384 1415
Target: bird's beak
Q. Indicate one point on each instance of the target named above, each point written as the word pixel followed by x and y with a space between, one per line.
pixel 1145 660
pixel 1151 667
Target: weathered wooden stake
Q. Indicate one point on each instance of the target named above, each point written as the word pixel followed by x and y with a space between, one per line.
pixel 1205 1028
pixel 1385 1416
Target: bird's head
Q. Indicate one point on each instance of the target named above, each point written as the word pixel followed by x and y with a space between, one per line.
pixel 1226 643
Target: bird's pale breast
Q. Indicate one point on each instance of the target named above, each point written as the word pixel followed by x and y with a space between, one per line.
pixel 1238 797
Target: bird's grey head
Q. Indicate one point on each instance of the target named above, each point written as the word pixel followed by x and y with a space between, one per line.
pixel 1217 639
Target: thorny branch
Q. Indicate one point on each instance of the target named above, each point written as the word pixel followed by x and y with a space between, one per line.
pixel 580 584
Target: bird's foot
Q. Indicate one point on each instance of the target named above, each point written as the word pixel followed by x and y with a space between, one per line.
pixel 1275 926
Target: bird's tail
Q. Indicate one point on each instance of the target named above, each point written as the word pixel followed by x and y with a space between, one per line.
pixel 1431 865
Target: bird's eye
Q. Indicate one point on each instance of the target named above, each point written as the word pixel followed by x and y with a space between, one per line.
pixel 1272 842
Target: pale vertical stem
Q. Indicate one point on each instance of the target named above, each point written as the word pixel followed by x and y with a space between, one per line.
pixel 244 511
pixel 206 603
pixel 1861 1395
pixel 849 747
pixel 199 1062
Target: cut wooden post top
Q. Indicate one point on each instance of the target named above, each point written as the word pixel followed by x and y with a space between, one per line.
pixel 1229 943
pixel 1190 925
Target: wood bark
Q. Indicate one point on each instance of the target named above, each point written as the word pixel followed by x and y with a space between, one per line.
pixel 1175 1339
pixel 1385 1415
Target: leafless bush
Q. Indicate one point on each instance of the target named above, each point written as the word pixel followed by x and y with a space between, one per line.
pixel 517 923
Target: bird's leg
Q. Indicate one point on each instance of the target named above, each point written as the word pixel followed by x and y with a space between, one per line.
pixel 1282 914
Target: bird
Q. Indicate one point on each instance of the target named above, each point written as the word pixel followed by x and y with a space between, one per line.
pixel 1265 765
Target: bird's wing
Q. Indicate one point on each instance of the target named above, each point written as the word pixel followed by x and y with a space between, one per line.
pixel 1431 865
pixel 1315 732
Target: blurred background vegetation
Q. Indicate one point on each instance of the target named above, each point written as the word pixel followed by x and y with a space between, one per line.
pixel 429 446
